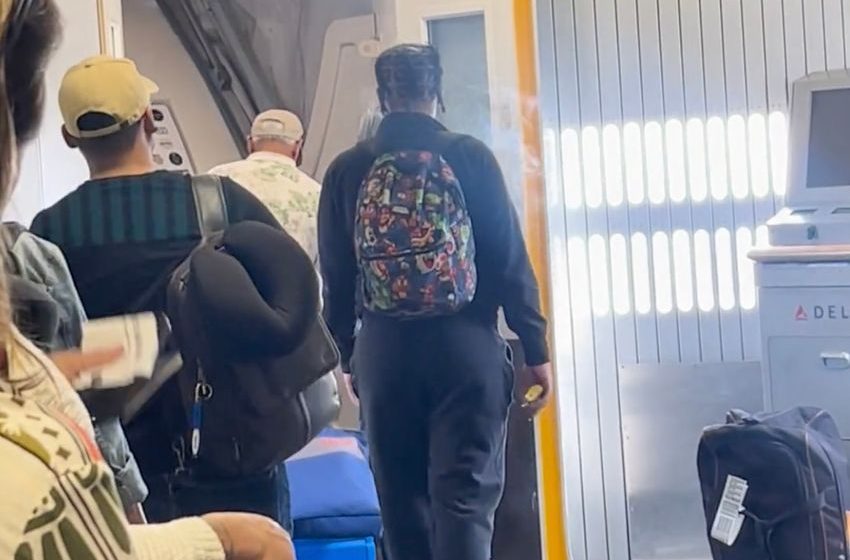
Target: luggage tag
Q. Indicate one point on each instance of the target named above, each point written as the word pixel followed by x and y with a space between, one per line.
pixel 203 392
pixel 729 519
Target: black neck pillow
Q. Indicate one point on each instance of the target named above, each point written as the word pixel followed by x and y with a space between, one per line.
pixel 255 292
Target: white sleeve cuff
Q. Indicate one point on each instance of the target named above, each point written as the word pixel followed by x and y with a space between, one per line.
pixel 185 539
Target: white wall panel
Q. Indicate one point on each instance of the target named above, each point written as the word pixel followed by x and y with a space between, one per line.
pixel 813 32
pixel 845 14
pixel 666 143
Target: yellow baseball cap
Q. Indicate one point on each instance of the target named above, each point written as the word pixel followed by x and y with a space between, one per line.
pixel 102 84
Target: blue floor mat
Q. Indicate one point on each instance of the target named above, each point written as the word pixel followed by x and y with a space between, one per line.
pixel 333 492
pixel 359 549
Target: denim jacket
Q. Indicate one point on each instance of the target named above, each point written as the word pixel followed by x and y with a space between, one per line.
pixel 42 263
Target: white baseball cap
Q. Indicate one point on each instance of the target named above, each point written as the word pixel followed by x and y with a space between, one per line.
pixel 279 124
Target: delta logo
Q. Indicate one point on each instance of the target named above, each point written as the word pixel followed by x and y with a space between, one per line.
pixel 822 312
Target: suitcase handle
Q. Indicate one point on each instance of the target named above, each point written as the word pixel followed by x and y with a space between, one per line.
pixel 835 360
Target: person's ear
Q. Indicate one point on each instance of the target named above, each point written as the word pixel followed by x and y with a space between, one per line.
pixel 299 152
pixel 70 141
pixel 249 145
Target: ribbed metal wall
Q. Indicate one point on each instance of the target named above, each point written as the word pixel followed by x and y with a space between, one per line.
pixel 664 139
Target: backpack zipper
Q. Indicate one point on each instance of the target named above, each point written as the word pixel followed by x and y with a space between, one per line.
pixel 404 254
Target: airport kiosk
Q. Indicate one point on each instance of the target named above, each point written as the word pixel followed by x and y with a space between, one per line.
pixel 804 275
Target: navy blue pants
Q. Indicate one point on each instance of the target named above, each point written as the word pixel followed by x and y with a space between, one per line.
pixel 173 496
pixel 434 396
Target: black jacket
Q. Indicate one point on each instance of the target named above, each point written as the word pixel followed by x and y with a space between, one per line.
pixel 505 277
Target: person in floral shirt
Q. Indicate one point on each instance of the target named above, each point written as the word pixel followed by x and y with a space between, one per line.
pixel 271 174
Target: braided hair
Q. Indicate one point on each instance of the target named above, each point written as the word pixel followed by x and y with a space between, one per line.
pixel 409 73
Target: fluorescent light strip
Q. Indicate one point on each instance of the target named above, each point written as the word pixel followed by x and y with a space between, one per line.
pixel 738 165
pixel 778 129
pixel 675 139
pixel 704 274
pixel 620 275
pixel 571 160
pixel 640 273
pixel 613 158
pixel 725 275
pixel 633 144
pixel 683 267
pixel 716 134
pixel 599 285
pixel 697 172
pixel 663 272
pixel 746 269
pixel 579 281
pixel 759 162
pixel 592 166
pixel 654 153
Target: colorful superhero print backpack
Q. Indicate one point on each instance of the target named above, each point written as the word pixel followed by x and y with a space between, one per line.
pixel 413 237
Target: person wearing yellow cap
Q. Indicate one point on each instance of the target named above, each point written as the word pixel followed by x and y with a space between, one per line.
pixel 59 496
pixel 123 232
pixel 271 173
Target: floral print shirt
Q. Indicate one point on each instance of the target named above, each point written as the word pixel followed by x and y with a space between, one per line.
pixel 289 193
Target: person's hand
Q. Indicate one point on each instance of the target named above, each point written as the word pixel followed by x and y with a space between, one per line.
pixel 246 536
pixel 73 363
pixel 536 376
pixel 349 387
pixel 136 515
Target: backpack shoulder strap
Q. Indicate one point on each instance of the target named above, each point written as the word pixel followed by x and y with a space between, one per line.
pixel 370 147
pixel 445 142
pixel 210 204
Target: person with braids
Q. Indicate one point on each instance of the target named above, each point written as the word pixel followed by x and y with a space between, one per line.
pixel 59 496
pixel 420 244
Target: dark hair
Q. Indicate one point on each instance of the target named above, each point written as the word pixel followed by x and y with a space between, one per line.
pixel 409 73
pixel 28 32
pixel 31 33
pixel 110 146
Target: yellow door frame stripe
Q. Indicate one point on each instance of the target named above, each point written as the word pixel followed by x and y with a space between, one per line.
pixel 553 525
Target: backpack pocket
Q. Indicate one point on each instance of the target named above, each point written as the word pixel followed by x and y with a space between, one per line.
pixel 431 282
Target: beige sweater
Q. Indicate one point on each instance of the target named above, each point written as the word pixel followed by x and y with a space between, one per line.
pixel 54 476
